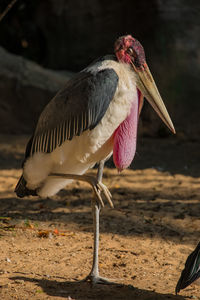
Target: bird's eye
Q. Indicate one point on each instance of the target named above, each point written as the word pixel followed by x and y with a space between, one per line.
pixel 130 51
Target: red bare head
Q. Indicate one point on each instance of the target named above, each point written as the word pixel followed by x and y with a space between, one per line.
pixel 129 50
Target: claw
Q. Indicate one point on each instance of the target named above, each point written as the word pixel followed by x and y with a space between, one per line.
pixel 106 192
pixel 99 187
pixel 96 279
pixel 97 192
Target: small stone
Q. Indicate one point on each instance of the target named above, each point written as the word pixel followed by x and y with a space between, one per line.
pixel 50 235
pixel 19 281
pixel 8 260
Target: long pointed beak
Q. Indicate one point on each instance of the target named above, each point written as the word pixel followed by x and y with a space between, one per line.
pixel 148 88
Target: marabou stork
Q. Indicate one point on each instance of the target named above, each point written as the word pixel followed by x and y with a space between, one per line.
pixel 94 116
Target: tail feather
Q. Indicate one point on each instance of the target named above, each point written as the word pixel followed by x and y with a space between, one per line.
pixel 21 190
pixel 191 272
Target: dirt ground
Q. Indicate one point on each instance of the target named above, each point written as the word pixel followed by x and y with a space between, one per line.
pixel 46 244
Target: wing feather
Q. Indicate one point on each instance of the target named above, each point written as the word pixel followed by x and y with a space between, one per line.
pixel 63 134
pixel 39 142
pixel 79 106
pixel 46 141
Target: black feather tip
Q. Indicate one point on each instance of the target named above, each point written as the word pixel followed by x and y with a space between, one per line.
pixel 191 272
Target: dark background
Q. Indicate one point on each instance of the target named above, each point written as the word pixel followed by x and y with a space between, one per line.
pixel 69 34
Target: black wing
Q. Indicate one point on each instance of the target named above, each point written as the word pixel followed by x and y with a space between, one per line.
pixel 79 106
pixel 191 271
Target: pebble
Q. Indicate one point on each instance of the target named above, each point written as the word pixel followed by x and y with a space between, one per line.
pixel 20 281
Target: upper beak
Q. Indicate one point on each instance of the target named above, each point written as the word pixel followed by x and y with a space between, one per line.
pixel 148 88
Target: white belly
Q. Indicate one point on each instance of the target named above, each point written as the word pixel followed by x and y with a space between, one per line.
pixel 82 152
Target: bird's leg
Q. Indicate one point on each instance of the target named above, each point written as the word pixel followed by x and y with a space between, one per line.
pixel 96 184
pixel 95 264
pixel 95 213
pixel 97 203
pixel 94 273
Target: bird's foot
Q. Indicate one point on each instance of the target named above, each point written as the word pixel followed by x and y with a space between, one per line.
pixel 96 279
pixel 99 187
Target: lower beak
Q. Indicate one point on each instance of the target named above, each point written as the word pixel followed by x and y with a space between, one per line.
pixel 146 84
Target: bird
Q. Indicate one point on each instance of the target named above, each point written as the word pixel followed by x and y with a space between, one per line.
pixel 94 116
pixel 191 272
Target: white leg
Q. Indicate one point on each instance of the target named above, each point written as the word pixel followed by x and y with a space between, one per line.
pixel 97 203
pixel 96 208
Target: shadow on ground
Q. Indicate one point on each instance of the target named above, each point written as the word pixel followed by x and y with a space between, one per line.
pixel 167 216
pixel 83 291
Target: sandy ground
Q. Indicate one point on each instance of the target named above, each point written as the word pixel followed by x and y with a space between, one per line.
pixel 46 244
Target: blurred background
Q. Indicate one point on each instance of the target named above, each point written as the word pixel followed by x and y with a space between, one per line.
pixel 63 36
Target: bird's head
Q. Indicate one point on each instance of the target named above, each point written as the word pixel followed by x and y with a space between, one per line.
pixel 129 50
